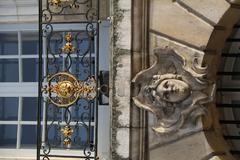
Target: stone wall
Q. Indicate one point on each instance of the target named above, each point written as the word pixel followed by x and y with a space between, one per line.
pixel 192 29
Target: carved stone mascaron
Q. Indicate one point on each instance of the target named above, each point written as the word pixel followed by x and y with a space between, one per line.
pixel 174 90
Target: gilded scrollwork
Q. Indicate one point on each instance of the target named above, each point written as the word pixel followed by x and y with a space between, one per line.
pixel 174 92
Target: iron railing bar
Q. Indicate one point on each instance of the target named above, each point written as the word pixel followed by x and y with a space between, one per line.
pixel 64 156
pixel 229 122
pixel 97 70
pixel 235 152
pixel 230 54
pixel 228 90
pixel 39 80
pixel 237 26
pixel 233 40
pixel 230 137
pixel 222 105
pixel 229 73
pixel 75 22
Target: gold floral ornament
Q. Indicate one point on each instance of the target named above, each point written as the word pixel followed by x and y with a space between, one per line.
pixel 67 131
pixel 64 89
pixel 68 47
pixel 67 141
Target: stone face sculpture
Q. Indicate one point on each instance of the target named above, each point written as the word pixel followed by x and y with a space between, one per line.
pixel 174 90
pixel 169 87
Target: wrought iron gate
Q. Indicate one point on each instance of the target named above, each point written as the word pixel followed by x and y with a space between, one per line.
pixel 68 69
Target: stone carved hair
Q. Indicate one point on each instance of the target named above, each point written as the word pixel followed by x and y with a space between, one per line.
pixel 173 90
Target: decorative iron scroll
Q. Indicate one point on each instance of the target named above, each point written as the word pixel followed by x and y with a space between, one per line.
pixel 69 83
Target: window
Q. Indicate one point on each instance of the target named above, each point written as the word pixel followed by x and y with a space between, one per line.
pixel 18 93
pixel 229 91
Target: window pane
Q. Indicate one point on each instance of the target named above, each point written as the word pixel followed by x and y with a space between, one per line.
pixel 55 113
pixel 30 70
pixel 54 136
pixel 29 43
pixel 84 43
pixel 83 68
pixel 8 108
pixel 56 43
pixel 8 43
pixel 84 110
pixel 55 65
pixel 8 136
pixel 7 68
pixel 29 112
pixel 236 68
pixel 29 136
pixel 82 136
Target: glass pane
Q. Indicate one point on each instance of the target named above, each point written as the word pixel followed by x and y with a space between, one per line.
pixel 54 136
pixel 82 136
pixel 8 136
pixel 29 43
pixel 236 68
pixel 29 112
pixel 29 136
pixel 84 43
pixel 55 113
pixel 55 43
pixel 83 68
pixel 55 65
pixel 8 43
pixel 236 113
pixel 7 68
pixel 9 108
pixel 30 70
pixel 83 111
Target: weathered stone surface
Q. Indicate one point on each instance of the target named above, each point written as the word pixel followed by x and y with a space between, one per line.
pixel 157 41
pixel 123 143
pixel 215 158
pixel 122 87
pixel 122 24
pixel 209 10
pixel 121 78
pixel 171 20
pixel 237 2
pixel 121 103
pixel 194 147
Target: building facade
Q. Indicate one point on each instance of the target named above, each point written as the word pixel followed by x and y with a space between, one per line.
pixel 173 80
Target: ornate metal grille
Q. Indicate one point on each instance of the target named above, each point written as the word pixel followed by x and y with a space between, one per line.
pixel 68 80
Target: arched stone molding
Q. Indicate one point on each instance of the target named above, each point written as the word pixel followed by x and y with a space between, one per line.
pixel 191 28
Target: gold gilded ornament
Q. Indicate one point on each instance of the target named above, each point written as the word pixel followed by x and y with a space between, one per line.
pixel 68 48
pixel 64 89
pixel 67 141
pixel 67 131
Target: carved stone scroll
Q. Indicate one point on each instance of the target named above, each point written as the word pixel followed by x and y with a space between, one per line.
pixel 174 90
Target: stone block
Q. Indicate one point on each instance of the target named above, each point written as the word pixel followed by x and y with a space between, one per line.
pixel 171 20
pixel 209 10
